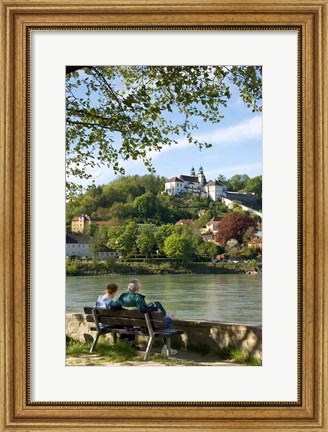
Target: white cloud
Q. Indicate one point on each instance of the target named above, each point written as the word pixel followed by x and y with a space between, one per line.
pixel 246 130
pixel 181 143
pixel 233 169
pixel 243 131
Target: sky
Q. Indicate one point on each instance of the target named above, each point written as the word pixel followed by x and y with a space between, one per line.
pixel 237 149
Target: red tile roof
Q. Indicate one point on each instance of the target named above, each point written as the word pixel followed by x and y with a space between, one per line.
pixel 185 221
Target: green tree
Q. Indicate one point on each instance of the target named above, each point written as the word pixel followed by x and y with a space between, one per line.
pixel 178 246
pixel 113 234
pixel 91 230
pixel 122 211
pixel 99 240
pixel 221 209
pixel 123 238
pixel 208 249
pixel 233 249
pixel 161 234
pixel 145 205
pixel 144 108
pixel 181 229
pixel 238 182
pixel 146 240
pixel 254 185
pixel 222 179
pixel 207 216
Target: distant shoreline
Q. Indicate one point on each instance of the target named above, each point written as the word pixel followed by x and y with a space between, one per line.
pixel 80 268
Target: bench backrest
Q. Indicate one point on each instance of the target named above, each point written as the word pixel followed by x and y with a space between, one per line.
pixel 125 317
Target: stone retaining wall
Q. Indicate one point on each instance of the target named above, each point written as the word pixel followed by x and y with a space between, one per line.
pixel 200 334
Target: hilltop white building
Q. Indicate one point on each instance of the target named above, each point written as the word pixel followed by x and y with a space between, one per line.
pixel 195 185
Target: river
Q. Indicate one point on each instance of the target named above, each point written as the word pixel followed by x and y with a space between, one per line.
pixel 227 298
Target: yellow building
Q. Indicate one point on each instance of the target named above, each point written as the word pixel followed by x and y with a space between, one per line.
pixel 81 223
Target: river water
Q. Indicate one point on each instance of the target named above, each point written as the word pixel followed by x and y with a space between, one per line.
pixel 228 298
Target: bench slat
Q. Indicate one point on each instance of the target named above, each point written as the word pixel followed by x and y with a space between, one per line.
pixel 132 322
pixel 164 332
pixel 129 313
pixel 124 313
pixel 129 322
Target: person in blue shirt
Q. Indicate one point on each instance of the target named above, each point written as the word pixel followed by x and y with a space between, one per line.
pixel 107 300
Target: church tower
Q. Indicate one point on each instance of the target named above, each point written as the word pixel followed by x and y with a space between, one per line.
pixel 201 177
pixel 192 172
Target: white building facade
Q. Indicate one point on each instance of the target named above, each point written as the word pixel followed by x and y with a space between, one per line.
pixel 78 245
pixel 195 185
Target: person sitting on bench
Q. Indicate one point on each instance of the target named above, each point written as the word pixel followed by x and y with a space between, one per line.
pixel 107 301
pixel 133 299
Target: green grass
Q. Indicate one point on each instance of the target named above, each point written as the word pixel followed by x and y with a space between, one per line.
pixel 75 348
pixel 117 353
pixel 238 356
pixel 123 353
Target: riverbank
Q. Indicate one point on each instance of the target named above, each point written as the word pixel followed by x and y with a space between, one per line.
pixel 153 267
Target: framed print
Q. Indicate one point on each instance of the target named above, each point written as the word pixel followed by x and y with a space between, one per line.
pixel 41 41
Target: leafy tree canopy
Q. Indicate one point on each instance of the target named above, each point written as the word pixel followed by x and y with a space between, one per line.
pixel 238 182
pixel 116 113
pixel 123 238
pixel 255 185
pixel 146 240
pixel 234 226
pixel 178 246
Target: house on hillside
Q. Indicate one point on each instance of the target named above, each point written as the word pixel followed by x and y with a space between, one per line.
pixel 79 245
pixel 186 222
pixel 215 190
pixel 213 224
pixel 256 241
pixel 80 223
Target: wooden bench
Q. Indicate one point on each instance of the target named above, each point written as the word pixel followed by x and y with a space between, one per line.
pixel 130 322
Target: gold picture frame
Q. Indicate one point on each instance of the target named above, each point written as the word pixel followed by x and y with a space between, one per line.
pixel 310 413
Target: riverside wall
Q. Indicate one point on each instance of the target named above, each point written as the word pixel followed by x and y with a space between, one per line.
pixel 209 335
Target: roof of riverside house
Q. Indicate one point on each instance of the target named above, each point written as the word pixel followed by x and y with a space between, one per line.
pixel 192 179
pixel 174 179
pixel 184 221
pixel 215 219
pixel 85 217
pixel 102 222
pixel 77 238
